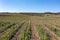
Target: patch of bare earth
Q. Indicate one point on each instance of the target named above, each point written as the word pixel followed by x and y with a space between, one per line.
pixel 34 32
pixel 54 25
pixel 16 36
pixel 52 34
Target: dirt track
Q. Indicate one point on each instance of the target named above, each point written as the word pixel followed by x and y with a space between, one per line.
pixel 34 33
pixel 16 36
pixel 52 34
pixel 54 25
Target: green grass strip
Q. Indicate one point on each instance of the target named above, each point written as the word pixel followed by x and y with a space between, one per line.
pixel 51 27
pixel 25 35
pixel 8 34
pixel 42 33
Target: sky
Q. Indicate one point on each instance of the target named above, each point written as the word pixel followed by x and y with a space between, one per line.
pixel 29 5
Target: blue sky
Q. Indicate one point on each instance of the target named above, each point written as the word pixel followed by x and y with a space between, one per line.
pixel 29 5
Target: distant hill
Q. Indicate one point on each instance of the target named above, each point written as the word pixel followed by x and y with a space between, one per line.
pixel 30 13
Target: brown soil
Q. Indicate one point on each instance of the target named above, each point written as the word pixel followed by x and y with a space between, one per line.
pixel 34 32
pixel 52 34
pixel 53 26
pixel 16 36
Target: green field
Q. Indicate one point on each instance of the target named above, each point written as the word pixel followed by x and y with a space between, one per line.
pixel 25 26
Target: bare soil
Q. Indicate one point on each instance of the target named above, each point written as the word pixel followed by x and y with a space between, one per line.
pixel 52 34
pixel 20 30
pixel 34 32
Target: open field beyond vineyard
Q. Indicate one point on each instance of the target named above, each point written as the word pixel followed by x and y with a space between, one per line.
pixel 26 26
